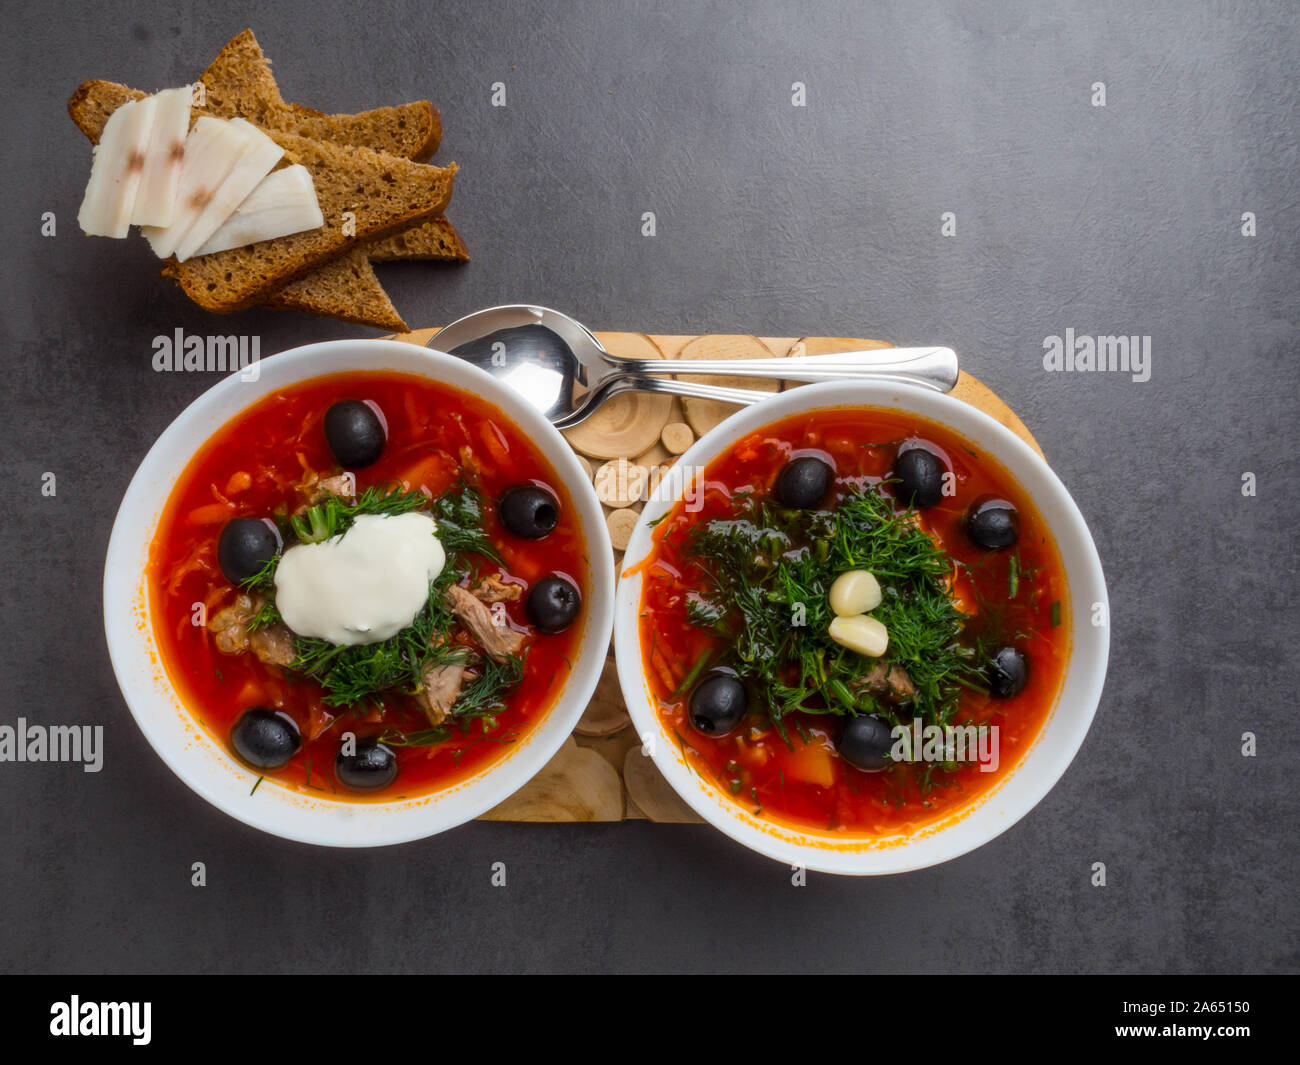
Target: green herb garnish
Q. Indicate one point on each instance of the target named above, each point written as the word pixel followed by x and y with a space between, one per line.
pixel 481 699
pixel 356 674
pixel 768 572
pixel 333 516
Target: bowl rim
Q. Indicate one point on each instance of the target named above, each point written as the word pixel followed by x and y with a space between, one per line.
pixel 982 819
pixel 175 732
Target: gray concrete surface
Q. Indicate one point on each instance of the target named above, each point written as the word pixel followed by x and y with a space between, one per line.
pixel 772 219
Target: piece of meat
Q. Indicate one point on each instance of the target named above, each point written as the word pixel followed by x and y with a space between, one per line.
pixel 229 625
pixel 891 678
pixel 900 682
pixel 441 686
pixel 313 489
pixel 273 645
pixel 494 590
pixel 498 641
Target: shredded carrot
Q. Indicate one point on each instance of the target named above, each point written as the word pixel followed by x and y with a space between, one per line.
pixel 667 675
pixel 495 444
pixel 318 720
pixel 218 593
pixel 412 414
pixel 460 424
pixel 307 425
pixel 251 693
pixel 209 514
pixel 434 473
pixel 959 587
pixel 240 481
pixel 199 559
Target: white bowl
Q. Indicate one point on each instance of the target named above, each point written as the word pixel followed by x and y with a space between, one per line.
pixel 1042 764
pixel 202 760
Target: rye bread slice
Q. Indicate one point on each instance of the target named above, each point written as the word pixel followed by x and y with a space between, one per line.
pixel 93 102
pixel 346 289
pixel 239 82
pixel 382 193
pixel 437 239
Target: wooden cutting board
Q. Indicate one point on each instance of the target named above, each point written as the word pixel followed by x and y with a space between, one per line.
pixel 600 773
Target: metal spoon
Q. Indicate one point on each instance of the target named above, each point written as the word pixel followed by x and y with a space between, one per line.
pixel 559 367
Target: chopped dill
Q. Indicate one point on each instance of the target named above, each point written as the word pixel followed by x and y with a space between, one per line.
pixel 265 616
pixel 482 699
pixel 768 571
pixel 333 515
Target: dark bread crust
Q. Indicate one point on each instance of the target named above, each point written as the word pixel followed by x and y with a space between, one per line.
pixel 94 101
pixel 239 82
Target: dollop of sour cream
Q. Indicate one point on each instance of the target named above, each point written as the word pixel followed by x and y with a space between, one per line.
pixel 364 585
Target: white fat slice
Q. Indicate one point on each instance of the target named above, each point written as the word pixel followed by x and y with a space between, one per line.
pixel 282 204
pixel 156 198
pixel 116 170
pixel 259 156
pixel 211 151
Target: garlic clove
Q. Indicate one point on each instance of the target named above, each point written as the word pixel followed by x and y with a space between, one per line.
pixel 855 592
pixel 860 633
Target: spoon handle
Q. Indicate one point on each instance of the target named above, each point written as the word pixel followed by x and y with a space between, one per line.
pixel 934 368
pixel 618 382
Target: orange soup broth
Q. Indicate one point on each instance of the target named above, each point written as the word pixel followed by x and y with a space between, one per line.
pixel 250 467
pixel 806 785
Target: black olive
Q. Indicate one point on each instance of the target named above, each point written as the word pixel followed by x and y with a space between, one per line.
pixel 803 483
pixel 553 604
pixel 1008 673
pixel 354 433
pixel 529 511
pixel 265 739
pixel 372 766
pixel 245 546
pixel 718 703
pixel 919 472
pixel 992 523
pixel 866 742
